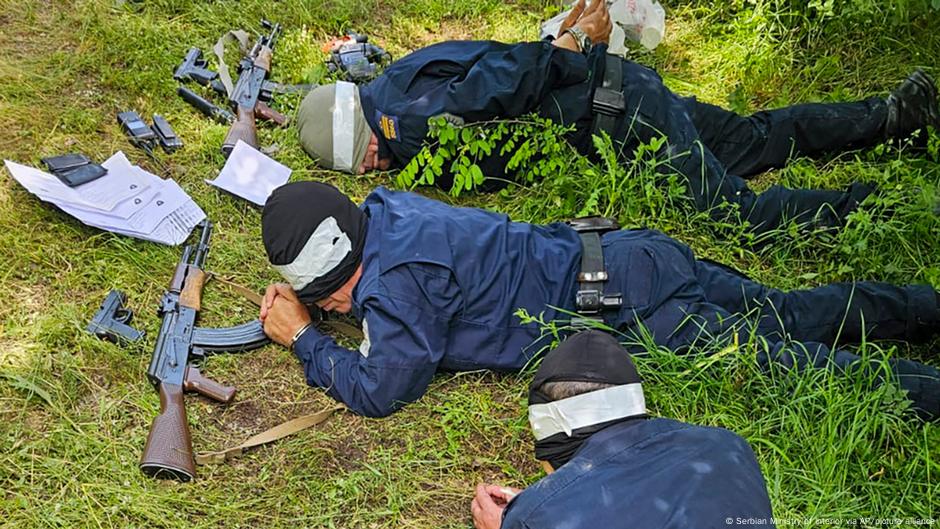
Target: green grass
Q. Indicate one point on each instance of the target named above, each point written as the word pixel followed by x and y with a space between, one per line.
pixel 75 411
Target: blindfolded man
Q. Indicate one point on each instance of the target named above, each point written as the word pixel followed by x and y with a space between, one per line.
pixel 437 288
pixel 572 81
pixel 610 465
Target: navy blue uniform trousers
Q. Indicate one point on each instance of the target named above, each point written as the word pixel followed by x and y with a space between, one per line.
pixel 684 303
pixel 717 149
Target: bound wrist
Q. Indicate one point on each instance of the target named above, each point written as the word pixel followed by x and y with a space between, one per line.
pixel 581 38
pixel 300 332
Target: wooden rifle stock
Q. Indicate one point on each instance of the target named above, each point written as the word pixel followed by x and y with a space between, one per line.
pixel 169 449
pixel 243 129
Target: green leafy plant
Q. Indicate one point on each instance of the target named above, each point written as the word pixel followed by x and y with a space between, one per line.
pixel 533 147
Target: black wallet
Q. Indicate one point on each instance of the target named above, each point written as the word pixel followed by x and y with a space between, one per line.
pixel 74 169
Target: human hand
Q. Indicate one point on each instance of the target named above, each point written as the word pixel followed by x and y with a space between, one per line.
pixel 594 21
pixel 372 160
pixel 269 294
pixel 572 17
pixel 489 503
pixel 282 313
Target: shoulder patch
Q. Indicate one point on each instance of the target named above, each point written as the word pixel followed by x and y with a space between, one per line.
pixel 388 125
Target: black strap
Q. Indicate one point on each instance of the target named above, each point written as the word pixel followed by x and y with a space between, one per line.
pixel 608 103
pixel 592 276
pixel 590 298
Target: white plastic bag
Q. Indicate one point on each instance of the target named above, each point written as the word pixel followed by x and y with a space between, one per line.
pixel 642 21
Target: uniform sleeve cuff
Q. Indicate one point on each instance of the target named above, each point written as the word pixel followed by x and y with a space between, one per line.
pixel 306 342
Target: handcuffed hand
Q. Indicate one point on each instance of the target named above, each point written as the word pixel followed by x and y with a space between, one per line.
pixel 282 313
pixel 489 503
pixel 594 21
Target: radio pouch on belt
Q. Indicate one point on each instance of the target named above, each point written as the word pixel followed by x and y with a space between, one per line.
pixel 591 299
pixel 608 104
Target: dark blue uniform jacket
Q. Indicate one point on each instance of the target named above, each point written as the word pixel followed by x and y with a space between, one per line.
pixel 477 81
pixel 439 289
pixel 441 285
pixel 655 473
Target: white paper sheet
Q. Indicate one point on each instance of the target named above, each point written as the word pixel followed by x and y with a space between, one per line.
pixel 120 183
pixel 174 228
pixel 131 205
pixel 123 181
pixel 250 174
pixel 43 184
pixel 145 217
pixel 134 202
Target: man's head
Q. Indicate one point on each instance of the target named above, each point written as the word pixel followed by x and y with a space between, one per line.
pixel 584 385
pixel 334 131
pixel 314 236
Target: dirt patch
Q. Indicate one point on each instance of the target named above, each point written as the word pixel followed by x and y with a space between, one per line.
pixel 348 456
pixel 242 417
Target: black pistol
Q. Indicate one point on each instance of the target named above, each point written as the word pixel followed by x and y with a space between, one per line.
pixel 194 67
pixel 112 321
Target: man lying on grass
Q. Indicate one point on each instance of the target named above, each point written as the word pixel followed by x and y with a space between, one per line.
pixel 438 287
pixel 571 81
pixel 610 466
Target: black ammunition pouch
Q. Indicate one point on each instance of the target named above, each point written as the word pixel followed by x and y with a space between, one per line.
pixel 608 104
pixel 591 299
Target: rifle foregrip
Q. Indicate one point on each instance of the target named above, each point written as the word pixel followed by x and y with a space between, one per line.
pixel 264 58
pixel 191 296
pixel 169 449
pixel 243 129
pixel 194 381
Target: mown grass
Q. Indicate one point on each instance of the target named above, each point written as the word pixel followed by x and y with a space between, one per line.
pixel 74 411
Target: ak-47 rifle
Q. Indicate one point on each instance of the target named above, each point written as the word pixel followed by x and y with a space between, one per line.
pixel 251 94
pixel 180 344
pixel 252 72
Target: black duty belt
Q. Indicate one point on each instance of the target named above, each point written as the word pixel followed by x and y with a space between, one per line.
pixel 591 299
pixel 608 104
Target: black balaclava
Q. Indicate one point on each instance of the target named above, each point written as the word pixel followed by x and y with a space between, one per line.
pixel 589 356
pixel 293 214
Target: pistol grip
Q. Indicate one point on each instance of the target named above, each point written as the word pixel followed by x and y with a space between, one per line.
pixel 194 381
pixel 265 112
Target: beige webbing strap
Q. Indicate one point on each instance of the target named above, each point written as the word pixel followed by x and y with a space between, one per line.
pixel 287 428
pixel 246 292
pixel 278 432
pixel 343 328
pixel 238 35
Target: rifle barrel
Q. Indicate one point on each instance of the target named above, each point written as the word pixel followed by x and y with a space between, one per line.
pixel 203 247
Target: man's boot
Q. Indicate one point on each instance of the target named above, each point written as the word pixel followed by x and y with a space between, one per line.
pixel 912 106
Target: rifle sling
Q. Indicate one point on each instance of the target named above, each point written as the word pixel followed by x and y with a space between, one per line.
pixel 238 35
pixel 245 292
pixel 287 428
pixel 273 434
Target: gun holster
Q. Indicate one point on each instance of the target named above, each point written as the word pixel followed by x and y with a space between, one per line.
pixel 590 299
